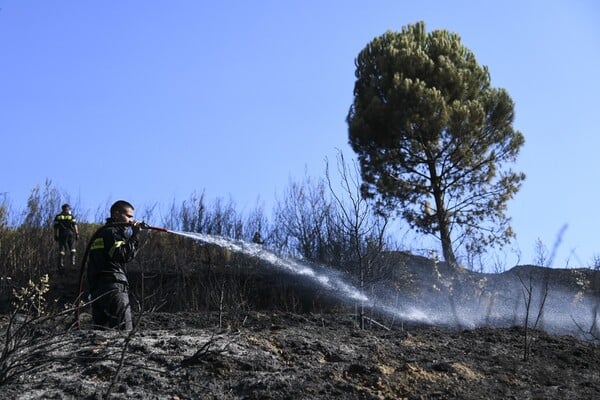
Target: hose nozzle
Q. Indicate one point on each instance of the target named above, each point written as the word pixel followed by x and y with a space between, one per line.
pixel 144 225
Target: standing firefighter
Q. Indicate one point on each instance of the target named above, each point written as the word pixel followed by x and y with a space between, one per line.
pixel 112 246
pixel 66 235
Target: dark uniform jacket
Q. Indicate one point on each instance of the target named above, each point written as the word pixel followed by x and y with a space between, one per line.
pixel 111 248
pixel 65 224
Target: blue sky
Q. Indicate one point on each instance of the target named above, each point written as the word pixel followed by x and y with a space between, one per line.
pixel 151 101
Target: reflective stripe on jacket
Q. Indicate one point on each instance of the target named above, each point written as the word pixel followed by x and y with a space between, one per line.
pixel 109 251
pixel 65 223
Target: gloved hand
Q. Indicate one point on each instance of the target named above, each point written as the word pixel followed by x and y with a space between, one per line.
pixel 138 226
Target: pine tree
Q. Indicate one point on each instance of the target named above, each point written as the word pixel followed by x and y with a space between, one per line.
pixel 432 136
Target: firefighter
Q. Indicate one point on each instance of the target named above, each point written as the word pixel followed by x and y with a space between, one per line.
pixel 66 235
pixel 257 238
pixel 112 246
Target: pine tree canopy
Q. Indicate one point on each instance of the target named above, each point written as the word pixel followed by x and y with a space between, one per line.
pixel 433 138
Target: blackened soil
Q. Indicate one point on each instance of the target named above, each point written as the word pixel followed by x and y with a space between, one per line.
pixel 291 356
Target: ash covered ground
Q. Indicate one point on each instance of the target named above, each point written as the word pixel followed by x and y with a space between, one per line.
pixel 465 338
pixel 310 356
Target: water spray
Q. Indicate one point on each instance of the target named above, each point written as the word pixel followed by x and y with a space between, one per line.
pixel 328 279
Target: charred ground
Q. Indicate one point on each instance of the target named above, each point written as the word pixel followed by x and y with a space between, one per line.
pixel 242 330
pixel 289 356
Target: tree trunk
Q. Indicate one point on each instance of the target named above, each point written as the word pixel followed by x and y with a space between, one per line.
pixel 449 256
pixel 444 225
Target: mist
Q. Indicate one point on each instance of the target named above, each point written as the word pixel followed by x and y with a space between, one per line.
pixel 557 301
